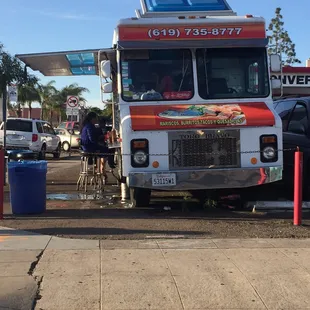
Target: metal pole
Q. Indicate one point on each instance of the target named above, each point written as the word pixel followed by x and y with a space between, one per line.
pixel 2 166
pixel 4 115
pixel 113 115
pixel 298 188
pixel 71 133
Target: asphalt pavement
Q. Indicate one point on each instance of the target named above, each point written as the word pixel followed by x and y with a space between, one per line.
pixel 87 216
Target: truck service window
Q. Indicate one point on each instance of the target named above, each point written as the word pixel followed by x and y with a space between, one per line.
pixel 157 75
pixel 232 73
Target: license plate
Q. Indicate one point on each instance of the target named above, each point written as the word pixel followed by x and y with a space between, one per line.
pixel 15 137
pixel 168 179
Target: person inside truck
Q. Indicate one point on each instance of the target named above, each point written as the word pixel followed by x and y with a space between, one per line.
pixel 163 80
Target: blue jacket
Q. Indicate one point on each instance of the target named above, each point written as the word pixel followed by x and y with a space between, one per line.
pixel 89 138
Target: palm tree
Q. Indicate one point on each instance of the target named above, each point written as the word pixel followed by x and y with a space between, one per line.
pixel 73 90
pixel 54 105
pixel 46 93
pixel 11 70
pixel 6 69
pixel 59 99
pixel 28 93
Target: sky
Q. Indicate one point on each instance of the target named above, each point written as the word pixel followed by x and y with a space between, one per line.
pixel 36 26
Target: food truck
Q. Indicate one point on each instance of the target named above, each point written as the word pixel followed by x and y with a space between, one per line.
pixel 191 94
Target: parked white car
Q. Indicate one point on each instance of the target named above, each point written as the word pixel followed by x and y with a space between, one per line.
pixel 28 134
pixel 66 140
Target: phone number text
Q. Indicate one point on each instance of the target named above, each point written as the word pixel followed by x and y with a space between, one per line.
pixel 192 32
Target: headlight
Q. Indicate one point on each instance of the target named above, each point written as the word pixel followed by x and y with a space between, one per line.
pixel 140 157
pixel 269 152
pixel 139 153
pixel 269 148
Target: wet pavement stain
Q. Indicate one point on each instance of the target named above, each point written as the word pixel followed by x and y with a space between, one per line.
pixel 95 196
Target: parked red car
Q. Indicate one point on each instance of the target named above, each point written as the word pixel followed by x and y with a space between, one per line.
pixel 70 125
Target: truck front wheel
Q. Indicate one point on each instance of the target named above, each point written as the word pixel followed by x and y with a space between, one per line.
pixel 140 197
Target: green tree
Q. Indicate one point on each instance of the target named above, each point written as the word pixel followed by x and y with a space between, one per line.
pixel 279 40
pixel 73 90
pixel 11 70
pixel 97 110
pixel 47 92
pixel 58 100
pixel 107 111
pixel 28 92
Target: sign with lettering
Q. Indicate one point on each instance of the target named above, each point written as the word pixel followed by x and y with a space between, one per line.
pixel 294 80
pixel 72 105
pixel 161 117
pixel 192 32
pixel 12 93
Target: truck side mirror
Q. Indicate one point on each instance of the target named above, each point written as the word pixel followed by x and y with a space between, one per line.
pixel 107 88
pixel 106 69
pixel 275 63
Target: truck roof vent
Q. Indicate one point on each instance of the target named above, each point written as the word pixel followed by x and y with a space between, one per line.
pixel 169 8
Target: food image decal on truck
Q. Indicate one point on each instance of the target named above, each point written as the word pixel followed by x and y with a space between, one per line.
pixel 195 32
pixel 200 116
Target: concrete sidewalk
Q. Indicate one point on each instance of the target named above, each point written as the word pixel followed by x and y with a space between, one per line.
pixel 53 273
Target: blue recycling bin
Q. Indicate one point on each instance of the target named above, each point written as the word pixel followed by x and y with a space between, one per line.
pixel 27 181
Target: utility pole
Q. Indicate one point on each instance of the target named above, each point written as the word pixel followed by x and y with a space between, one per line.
pixel 4 117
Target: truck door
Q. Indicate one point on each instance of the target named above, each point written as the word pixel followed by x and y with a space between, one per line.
pixel 296 135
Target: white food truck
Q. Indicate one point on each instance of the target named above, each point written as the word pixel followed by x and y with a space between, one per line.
pixel 192 97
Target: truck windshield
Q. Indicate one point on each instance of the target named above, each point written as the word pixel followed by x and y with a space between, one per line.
pixel 232 73
pixel 157 75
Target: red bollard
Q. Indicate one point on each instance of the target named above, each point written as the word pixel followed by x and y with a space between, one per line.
pixel 1 182
pixel 298 188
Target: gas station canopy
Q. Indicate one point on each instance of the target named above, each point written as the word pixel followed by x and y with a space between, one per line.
pixel 68 63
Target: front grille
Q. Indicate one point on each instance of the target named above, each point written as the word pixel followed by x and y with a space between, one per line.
pixel 209 149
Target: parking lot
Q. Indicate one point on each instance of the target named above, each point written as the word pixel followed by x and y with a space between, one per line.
pixel 102 216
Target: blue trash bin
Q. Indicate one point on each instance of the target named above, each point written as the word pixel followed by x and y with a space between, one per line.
pixel 27 181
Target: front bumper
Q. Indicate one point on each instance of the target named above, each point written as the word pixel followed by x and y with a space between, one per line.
pixel 14 147
pixel 210 179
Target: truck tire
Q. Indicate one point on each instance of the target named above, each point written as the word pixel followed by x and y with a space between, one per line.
pixel 66 146
pixel 140 197
pixel 42 153
pixel 57 152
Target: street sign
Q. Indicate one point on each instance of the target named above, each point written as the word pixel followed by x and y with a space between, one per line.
pixel 12 93
pixel 73 109
pixel 72 105
pixel 72 102
pixel 72 112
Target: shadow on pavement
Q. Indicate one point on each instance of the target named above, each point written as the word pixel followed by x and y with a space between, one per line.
pixel 157 212
pixel 108 231
pixel 13 232
pixel 152 223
